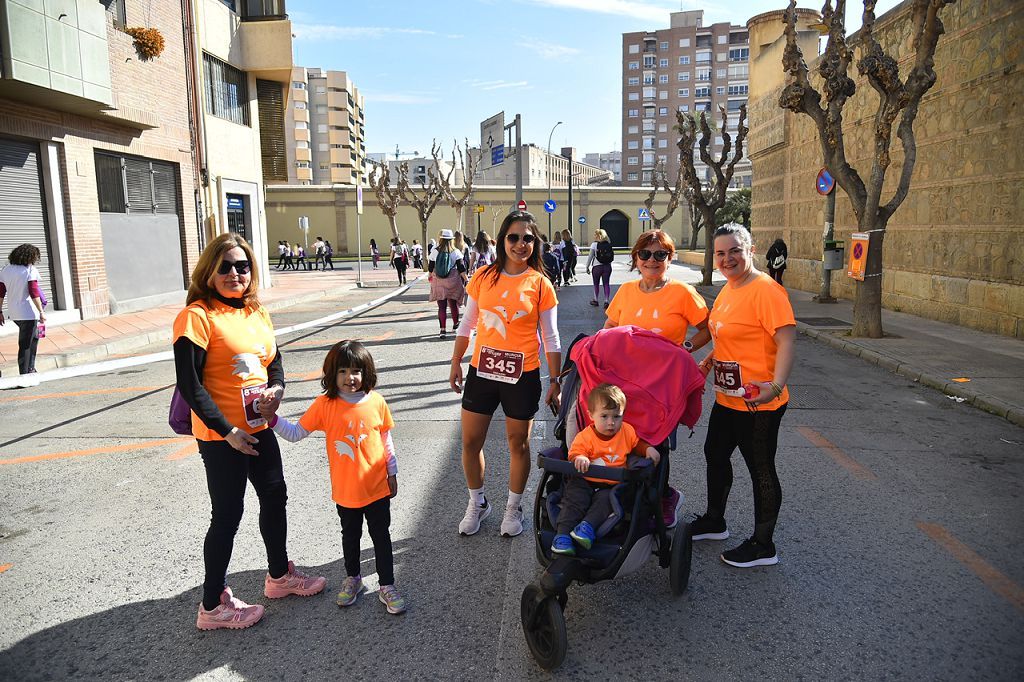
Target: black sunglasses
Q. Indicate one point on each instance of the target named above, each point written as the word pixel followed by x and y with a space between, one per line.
pixel 646 254
pixel 527 238
pixel 241 267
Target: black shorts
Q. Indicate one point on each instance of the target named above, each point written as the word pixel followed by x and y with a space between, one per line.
pixel 518 401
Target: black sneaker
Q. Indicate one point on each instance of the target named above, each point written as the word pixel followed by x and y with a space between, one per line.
pixel 751 553
pixel 441 334
pixel 704 528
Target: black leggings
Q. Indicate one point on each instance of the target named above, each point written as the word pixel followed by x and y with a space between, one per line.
pixel 378 521
pixel 28 342
pixel 227 470
pixel 757 436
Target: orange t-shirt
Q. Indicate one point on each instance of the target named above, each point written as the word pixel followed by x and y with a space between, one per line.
pixel 606 452
pixel 355 446
pixel 743 324
pixel 510 313
pixel 239 345
pixel 669 311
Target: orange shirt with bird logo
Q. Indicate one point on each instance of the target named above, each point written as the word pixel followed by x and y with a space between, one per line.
pixel 355 446
pixel 239 345
pixel 669 311
pixel 606 452
pixel 510 312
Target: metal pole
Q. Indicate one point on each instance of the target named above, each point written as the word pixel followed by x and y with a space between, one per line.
pixel 359 250
pixel 829 234
pixel 548 166
pixel 519 158
pixel 569 218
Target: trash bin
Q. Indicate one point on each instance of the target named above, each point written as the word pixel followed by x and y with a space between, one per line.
pixel 833 256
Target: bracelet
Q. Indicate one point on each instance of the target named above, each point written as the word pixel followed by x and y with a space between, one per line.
pixel 687 346
pixel 776 388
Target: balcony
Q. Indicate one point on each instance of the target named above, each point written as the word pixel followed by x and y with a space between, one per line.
pixel 265 37
pixel 337 118
pixel 341 155
pixel 337 100
pixel 303 154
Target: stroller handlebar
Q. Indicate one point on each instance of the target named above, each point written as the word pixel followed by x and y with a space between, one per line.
pixel 637 470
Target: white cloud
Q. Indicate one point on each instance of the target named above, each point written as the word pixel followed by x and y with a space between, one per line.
pixel 548 50
pixel 329 32
pixel 497 85
pixel 641 10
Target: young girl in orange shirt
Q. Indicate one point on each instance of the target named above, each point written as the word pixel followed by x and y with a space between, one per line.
pixel 361 455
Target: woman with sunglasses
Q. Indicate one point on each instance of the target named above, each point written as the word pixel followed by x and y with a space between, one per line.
pixel 508 301
pixel 226 362
pixel 755 334
pixel 665 306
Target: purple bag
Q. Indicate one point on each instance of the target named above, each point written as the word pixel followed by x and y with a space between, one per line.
pixel 179 417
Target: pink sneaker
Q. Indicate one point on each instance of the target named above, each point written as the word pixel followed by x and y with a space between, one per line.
pixel 293 582
pixel 232 613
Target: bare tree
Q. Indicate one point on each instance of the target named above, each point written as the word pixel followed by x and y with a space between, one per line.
pixel 388 198
pixel 707 200
pixel 426 202
pixel 696 221
pixel 894 96
pixel 466 160
pixel 659 179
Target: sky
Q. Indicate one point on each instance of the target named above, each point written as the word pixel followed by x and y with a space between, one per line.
pixel 436 69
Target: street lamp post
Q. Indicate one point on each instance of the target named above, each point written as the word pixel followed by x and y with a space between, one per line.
pixel 548 164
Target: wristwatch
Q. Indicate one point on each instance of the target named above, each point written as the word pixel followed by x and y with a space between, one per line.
pixel 687 346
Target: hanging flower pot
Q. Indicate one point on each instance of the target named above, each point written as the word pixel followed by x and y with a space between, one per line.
pixel 149 42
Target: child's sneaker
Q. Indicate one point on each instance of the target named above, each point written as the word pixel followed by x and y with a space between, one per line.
pixel 231 613
pixel 350 589
pixel 475 513
pixel 671 505
pixel 562 544
pixel 391 598
pixel 512 523
pixel 293 582
pixel 583 534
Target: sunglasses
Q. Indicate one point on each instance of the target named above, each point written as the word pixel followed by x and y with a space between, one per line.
pixel 241 267
pixel 527 238
pixel 647 254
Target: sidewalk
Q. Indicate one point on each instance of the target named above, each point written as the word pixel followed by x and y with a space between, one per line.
pixel 983 370
pixel 85 341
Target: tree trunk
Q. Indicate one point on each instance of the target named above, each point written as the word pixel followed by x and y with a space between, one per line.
pixel 867 302
pixel 460 212
pixel 694 232
pixel 393 221
pixel 423 224
pixel 708 218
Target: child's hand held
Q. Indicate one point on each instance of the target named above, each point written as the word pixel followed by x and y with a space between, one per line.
pixel 653 455
pixel 582 464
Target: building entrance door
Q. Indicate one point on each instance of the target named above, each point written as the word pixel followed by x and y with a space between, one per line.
pixel 237 221
pixel 616 224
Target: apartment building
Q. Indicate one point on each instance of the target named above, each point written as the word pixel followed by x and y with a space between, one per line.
pixel 420 166
pixel 325 129
pixel 609 161
pixel 539 165
pixel 687 67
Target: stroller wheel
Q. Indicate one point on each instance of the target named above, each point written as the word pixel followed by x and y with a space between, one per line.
pixel 544 627
pixel 682 552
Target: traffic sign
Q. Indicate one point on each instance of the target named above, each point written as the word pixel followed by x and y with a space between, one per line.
pixel 859 255
pixel 359 199
pixel 497 154
pixel 824 183
pixel 550 205
pixel 479 208
pixel 644 214
pixel 582 220
pixel 521 205
pixel 492 136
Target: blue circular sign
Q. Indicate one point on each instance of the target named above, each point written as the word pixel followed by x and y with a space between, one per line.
pixel 824 183
pixel 582 220
pixel 550 205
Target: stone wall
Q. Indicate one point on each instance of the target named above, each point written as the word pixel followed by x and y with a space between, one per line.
pixel 954 251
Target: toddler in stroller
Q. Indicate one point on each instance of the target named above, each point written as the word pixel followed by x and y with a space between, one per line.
pixel 656 401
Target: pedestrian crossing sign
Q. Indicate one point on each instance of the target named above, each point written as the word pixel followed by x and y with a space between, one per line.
pixel 644 214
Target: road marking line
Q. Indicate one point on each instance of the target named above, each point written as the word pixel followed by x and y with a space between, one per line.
pixel 188 450
pixel 996 580
pixel 5 567
pixel 841 458
pixel 75 394
pixel 94 451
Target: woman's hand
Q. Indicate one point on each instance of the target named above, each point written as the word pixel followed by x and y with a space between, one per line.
pixel 270 401
pixel 455 378
pixel 554 397
pixel 653 455
pixel 393 485
pixel 582 464
pixel 766 394
pixel 242 441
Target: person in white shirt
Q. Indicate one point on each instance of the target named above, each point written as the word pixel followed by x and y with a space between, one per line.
pixel 19 285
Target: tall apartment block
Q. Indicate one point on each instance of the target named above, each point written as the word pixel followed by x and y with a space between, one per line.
pixel 325 129
pixel 687 67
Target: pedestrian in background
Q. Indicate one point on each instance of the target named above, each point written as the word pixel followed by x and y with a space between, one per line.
pixel 328 255
pixel 363 466
pixel 754 332
pixel 318 254
pixel 602 252
pixel 417 254
pixel 374 253
pixel 226 364
pixel 19 286
pixel 509 302
pixel 300 257
pixel 399 258
pixel 282 251
pixel 569 255
pixel 447 280
pixel 289 261
pixel 775 259
pixel 482 253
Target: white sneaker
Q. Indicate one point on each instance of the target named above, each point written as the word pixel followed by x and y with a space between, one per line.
pixel 512 524
pixel 475 513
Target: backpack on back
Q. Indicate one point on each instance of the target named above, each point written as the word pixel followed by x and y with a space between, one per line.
pixel 605 253
pixel 443 265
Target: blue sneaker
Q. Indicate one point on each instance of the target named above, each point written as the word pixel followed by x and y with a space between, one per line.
pixel 563 545
pixel 583 534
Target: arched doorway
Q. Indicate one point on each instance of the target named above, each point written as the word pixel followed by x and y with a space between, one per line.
pixel 616 224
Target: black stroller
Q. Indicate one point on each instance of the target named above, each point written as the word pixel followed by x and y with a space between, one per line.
pixel 635 530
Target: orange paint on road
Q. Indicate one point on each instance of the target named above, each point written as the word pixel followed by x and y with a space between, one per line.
pixel 181 453
pixel 841 458
pixel 5 567
pixel 305 376
pixel 94 451
pixel 996 580
pixel 75 394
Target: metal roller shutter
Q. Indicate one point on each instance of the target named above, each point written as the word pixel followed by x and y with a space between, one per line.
pixel 22 209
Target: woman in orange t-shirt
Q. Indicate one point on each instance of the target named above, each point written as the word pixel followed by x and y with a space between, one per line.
pixel 508 301
pixel 664 306
pixel 754 333
pixel 226 363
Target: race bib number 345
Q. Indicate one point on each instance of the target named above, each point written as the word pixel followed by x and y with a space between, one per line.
pixel 727 378
pixel 500 365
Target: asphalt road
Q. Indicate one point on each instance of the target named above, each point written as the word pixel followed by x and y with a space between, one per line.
pixel 899 537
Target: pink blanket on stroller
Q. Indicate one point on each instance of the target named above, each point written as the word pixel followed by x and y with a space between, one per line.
pixel 661 381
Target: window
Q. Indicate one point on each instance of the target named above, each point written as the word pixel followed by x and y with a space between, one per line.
pixel 722 40
pixel 648 158
pixel 649 93
pixel 738 89
pixel 115 8
pixel 301 125
pixel 662 144
pixel 704 41
pixel 634 49
pixel 633 96
pixel 649 61
pixel 663 46
pixel 683 76
pixel 663 111
pixel 301 144
pixel 302 164
pixel 663 94
pixel 648 143
pixel 632 144
pixel 702 92
pixel 702 106
pixel 632 160
pixel 663 78
pixel 634 66
pixel 633 113
pixel 739 54
pixel 684 92
pixel 703 74
pixel 735 104
pixel 738 71
pixel 720 90
pixel 684 107
pixel 720 57
pixel 321 108
pixel 129 184
pixel 684 60
pixel 321 90
pixel 632 130
pixel 631 176
pixel 663 63
pixel 647 176
pixel 634 80
pixel 321 128
pixel 704 57
pixel 300 105
pixel 721 73
pixel 684 42
pixel 663 158
pixel 227 91
pixel 322 147
pixel 325 166
pixel 739 38
pixel 663 128
pixel 648 79
pixel 298 85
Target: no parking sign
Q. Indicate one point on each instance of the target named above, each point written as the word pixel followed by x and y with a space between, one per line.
pixel 858 255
